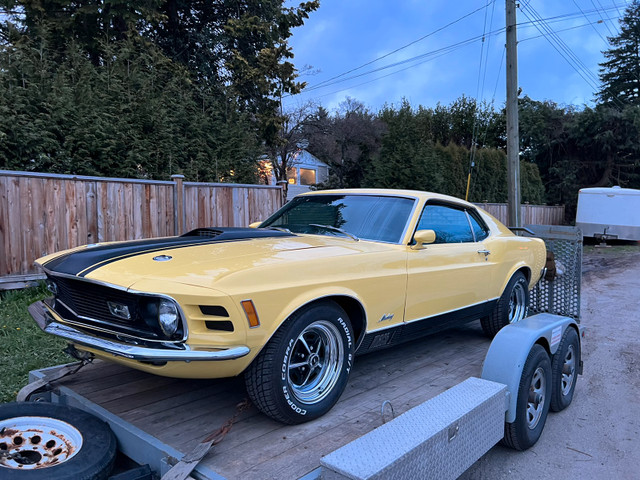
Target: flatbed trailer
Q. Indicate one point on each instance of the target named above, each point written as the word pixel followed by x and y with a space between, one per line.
pixel 426 383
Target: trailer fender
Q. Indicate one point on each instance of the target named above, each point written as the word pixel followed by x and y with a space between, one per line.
pixel 509 350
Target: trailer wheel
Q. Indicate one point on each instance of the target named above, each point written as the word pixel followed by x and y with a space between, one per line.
pixel 565 370
pixel 532 406
pixel 43 441
pixel 512 306
pixel 302 371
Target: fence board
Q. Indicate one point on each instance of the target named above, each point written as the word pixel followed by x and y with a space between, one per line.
pixel 4 225
pixel 45 213
pixel 15 225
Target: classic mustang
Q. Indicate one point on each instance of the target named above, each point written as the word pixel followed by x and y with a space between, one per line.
pixel 289 304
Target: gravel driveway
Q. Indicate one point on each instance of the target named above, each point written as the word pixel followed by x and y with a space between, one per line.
pixel 598 435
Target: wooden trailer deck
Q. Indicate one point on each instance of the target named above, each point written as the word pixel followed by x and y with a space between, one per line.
pixel 180 413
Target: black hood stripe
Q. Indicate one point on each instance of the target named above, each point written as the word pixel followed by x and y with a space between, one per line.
pixel 85 261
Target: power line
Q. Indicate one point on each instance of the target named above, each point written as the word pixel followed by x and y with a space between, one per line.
pixel 481 77
pixel 603 20
pixel 558 44
pixel 342 77
pixel 575 27
pixel 404 46
pixel 441 53
pixel 563 49
pixel 593 26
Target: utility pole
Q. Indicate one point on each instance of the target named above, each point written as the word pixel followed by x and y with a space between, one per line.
pixel 513 135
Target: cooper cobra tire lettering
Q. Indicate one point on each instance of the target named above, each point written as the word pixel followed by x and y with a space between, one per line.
pixel 294 407
pixel 346 330
pixel 286 360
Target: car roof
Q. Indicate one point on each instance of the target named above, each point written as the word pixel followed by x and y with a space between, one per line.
pixel 420 195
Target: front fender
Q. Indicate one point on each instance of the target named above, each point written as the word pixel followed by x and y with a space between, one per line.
pixel 275 314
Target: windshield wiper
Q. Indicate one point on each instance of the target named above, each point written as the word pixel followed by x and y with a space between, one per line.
pixel 335 229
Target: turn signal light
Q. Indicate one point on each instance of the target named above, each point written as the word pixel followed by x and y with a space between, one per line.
pixel 251 313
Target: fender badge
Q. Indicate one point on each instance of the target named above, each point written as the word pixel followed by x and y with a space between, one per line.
pixel 162 258
pixel 385 317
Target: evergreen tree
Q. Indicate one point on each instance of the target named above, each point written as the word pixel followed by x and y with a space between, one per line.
pixel 620 73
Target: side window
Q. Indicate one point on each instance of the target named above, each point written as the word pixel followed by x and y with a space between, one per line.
pixel 450 224
pixel 479 230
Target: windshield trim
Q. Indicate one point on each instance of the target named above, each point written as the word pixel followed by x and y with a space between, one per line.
pixel 415 200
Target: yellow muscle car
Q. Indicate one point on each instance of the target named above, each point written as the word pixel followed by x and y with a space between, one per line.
pixel 289 304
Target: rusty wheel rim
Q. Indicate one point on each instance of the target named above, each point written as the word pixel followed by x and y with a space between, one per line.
pixel 31 442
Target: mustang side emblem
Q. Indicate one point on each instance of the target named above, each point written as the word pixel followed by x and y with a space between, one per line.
pixel 385 317
pixel 119 310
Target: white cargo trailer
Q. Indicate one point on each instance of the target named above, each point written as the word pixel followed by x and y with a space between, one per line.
pixel 609 211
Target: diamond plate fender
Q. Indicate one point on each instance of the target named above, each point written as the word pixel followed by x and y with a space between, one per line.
pixel 509 350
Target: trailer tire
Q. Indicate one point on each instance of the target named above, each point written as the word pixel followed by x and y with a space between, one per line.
pixel 302 371
pixel 512 306
pixel 63 443
pixel 534 398
pixel 564 366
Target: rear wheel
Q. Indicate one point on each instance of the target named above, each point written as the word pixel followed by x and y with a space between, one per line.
pixel 302 371
pixel 512 306
pixel 532 406
pixel 565 370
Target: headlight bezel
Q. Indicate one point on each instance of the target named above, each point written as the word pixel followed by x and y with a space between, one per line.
pixel 149 308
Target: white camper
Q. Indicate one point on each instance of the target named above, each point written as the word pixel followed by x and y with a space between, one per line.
pixel 609 211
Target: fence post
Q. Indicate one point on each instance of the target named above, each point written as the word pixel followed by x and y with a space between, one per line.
pixel 178 204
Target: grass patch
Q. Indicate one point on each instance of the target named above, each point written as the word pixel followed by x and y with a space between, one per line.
pixel 613 249
pixel 23 346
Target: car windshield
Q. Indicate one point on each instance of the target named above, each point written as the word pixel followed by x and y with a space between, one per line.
pixel 368 217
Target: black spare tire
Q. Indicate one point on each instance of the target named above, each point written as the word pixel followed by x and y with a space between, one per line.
pixel 40 440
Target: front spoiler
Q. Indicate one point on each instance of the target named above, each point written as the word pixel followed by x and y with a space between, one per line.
pixel 180 353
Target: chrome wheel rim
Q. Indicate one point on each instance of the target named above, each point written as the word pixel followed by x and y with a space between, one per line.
pixel 315 362
pixel 537 394
pixel 568 370
pixel 517 303
pixel 29 443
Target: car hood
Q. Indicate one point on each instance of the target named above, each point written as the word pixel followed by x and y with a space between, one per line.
pixel 201 262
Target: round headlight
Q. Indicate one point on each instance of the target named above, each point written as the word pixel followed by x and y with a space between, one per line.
pixel 168 317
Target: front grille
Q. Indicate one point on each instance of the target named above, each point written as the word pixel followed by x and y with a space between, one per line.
pixel 90 300
pixel 87 303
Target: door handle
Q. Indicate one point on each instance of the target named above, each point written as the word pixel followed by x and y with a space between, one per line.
pixel 485 252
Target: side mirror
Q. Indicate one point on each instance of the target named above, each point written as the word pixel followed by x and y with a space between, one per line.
pixel 255 224
pixel 422 238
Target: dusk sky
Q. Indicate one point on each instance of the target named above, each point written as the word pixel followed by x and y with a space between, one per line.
pixel 451 59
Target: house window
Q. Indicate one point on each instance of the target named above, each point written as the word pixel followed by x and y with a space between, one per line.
pixel 292 175
pixel 307 176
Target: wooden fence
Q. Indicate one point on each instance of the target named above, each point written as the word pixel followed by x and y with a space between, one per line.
pixel 43 213
pixel 529 214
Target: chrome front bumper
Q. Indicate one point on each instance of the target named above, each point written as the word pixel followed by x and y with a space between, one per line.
pixel 181 353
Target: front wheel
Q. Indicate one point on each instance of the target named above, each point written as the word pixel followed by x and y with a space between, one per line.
pixel 302 371
pixel 512 306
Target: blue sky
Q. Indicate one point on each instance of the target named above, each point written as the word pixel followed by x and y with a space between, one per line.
pixel 343 35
